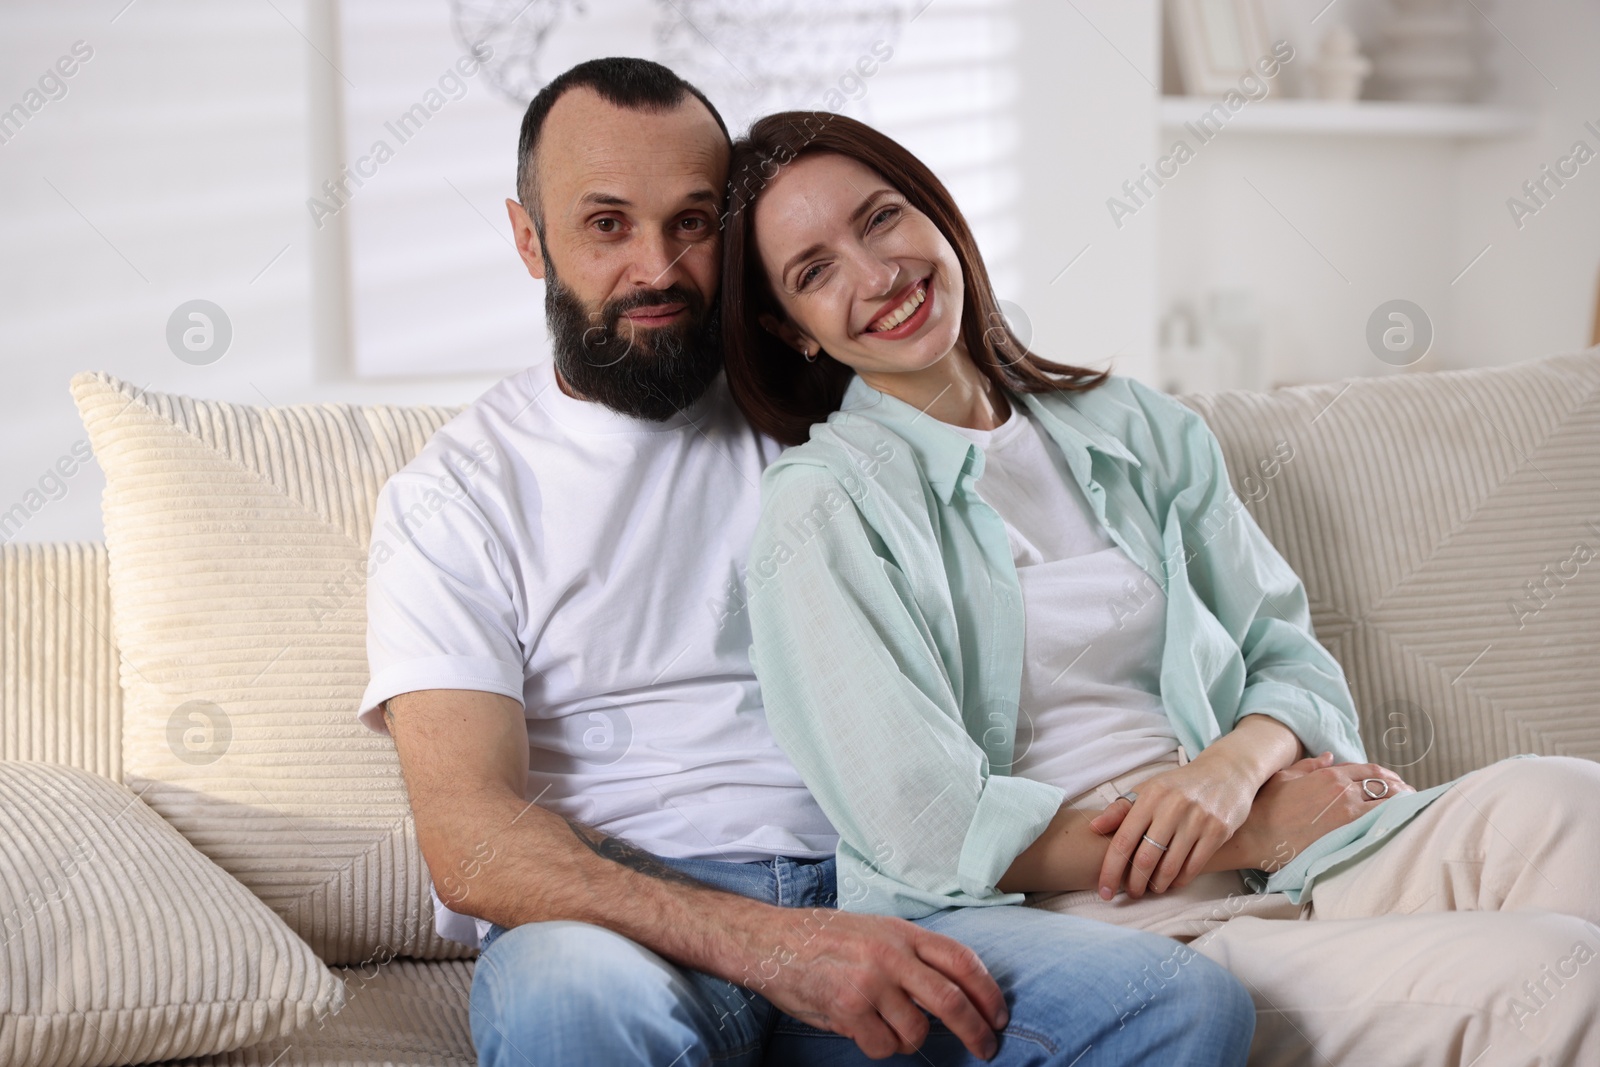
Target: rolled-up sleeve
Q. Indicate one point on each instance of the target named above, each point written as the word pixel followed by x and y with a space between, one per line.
pixel 857 693
pixel 1257 597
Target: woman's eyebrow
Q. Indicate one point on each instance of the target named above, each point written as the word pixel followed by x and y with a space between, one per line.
pixel 866 205
pixel 855 216
pixel 797 257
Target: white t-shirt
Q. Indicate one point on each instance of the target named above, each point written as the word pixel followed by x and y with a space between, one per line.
pixel 590 566
pixel 1094 621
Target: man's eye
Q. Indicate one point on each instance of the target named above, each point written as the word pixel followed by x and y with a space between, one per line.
pixel 606 225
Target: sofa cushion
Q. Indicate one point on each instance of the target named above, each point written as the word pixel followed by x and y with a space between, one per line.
pixel 122 944
pixel 237 542
pixel 60 699
pixel 1446 526
pixel 397 1013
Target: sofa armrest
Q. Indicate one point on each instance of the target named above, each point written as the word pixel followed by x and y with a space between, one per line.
pixel 60 693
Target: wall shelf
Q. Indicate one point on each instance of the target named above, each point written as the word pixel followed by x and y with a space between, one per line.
pixel 1371 118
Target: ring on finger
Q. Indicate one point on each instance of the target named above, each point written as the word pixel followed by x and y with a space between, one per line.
pixel 1368 783
pixel 1158 844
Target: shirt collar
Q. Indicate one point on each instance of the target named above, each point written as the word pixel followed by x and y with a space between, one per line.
pixel 946 455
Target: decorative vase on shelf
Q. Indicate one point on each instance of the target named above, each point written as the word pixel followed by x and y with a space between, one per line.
pixel 1340 68
pixel 1428 52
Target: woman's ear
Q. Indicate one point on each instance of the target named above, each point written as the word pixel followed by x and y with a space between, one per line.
pixel 786 332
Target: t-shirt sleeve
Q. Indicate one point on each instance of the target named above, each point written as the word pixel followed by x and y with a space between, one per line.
pixel 441 608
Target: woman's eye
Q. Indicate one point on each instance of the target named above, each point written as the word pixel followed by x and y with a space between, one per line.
pixel 693 223
pixel 809 274
pixel 884 215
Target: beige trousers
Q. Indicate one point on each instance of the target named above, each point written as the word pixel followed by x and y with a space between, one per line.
pixel 1469 938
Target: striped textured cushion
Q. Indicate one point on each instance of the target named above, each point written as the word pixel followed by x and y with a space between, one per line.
pixel 397 1013
pixel 60 699
pixel 122 944
pixel 237 539
pixel 1446 526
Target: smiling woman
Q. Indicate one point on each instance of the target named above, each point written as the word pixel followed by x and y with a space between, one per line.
pixel 1042 647
pixel 891 282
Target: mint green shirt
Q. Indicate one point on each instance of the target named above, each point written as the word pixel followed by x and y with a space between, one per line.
pixel 888 634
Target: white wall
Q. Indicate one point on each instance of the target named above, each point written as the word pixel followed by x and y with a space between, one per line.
pixel 185 147
pixel 1534 291
pixel 1090 74
pixel 181 156
pixel 178 163
pixel 1324 228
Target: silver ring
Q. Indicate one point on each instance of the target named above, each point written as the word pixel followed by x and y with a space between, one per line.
pixel 1366 787
pixel 1163 848
pixel 1130 796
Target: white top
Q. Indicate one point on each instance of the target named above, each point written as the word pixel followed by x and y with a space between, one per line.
pixel 590 566
pixel 1094 621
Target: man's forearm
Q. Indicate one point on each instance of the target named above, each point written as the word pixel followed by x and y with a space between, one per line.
pixel 496 856
pixel 512 862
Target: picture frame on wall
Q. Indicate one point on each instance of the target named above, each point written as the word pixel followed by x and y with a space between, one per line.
pixel 1217 41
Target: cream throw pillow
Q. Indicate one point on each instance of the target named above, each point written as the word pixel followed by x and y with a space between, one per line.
pixel 121 944
pixel 1446 526
pixel 237 538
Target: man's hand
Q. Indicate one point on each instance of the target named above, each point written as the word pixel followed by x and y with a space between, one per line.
pixel 866 977
pixel 1302 802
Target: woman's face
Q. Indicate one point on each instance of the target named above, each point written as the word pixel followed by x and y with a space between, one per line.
pixel 859 272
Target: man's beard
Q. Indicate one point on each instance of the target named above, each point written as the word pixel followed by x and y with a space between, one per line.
pixel 646 372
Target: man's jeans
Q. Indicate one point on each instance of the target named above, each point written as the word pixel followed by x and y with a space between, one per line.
pixel 1080 993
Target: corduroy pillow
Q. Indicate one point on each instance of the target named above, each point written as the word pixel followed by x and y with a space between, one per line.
pixel 237 541
pixel 1446 526
pixel 121 944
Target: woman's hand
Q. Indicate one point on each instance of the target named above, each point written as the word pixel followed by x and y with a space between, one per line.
pixel 1299 804
pixel 1192 809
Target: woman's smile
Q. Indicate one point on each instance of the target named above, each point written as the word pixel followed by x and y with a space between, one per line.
pixel 905 313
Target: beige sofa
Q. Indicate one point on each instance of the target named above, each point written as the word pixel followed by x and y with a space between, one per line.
pixel 252 892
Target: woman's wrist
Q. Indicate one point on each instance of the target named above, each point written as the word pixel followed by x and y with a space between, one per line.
pixel 1255 749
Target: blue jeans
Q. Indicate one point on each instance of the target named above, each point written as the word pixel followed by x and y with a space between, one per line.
pixel 1080 992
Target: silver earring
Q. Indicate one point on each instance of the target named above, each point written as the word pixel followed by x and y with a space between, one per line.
pixel 811 357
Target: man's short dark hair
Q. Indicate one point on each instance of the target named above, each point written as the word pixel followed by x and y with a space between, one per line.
pixel 636 84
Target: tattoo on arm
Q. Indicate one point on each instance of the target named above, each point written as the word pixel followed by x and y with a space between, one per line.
pixel 619 851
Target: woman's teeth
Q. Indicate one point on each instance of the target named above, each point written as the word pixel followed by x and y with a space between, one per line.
pixel 901 313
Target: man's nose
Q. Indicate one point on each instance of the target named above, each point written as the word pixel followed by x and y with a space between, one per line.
pixel 656 261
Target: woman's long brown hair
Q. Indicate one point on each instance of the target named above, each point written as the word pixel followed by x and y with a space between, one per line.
pixel 779 391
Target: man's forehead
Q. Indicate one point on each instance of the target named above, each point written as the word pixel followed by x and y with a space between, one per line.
pixel 589 143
